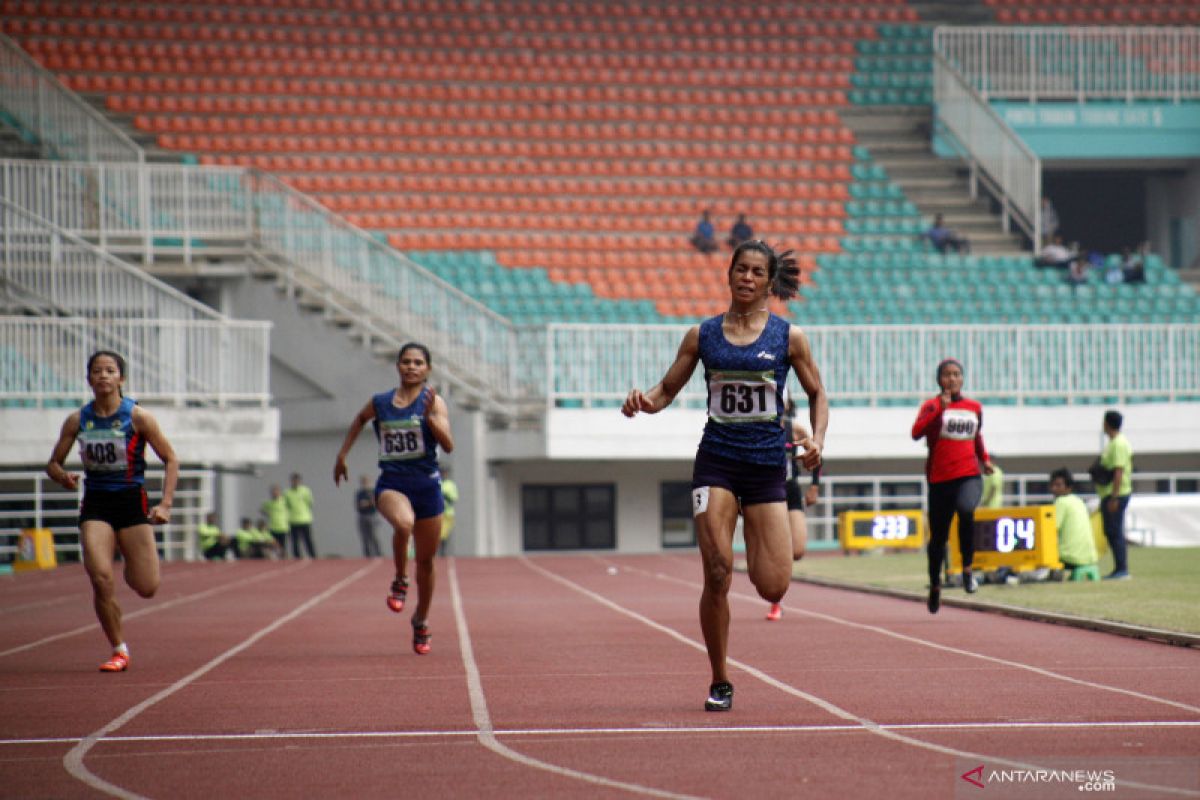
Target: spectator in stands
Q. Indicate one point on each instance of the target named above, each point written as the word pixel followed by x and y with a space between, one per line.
pixel 364 507
pixel 944 239
pixel 1049 220
pixel 704 238
pixel 213 544
pixel 275 509
pixel 1054 254
pixel 115 516
pixel 1133 265
pixel 1077 271
pixel 411 421
pixel 1076 547
pixel 1114 484
pixel 741 462
pixel 993 487
pixel 299 501
pixel 740 232
pixel 951 425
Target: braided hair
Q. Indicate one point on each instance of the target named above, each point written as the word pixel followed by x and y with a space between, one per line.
pixel 782 272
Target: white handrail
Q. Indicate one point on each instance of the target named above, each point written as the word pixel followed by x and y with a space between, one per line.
pixel 1076 63
pixel 992 149
pixel 62 122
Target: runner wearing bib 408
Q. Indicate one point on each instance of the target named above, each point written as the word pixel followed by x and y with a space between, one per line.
pixel 740 464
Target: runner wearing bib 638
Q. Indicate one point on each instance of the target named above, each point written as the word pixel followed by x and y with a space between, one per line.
pixel 741 463
pixel 410 422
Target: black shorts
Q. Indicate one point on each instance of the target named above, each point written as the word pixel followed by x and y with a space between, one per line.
pixel 795 495
pixel 121 509
pixel 749 483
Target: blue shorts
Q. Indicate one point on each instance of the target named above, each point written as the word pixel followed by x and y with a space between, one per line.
pixel 424 492
pixel 750 483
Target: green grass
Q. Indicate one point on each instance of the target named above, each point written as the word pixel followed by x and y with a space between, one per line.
pixel 1164 592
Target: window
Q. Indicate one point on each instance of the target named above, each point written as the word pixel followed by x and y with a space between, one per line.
pixel 676 502
pixel 569 517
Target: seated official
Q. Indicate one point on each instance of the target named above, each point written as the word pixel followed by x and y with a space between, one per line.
pixel 1076 545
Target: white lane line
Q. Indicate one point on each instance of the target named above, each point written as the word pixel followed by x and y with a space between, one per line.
pixel 831 708
pixel 659 730
pixel 950 649
pixel 80 595
pixel 73 760
pixel 92 626
pixel 483 721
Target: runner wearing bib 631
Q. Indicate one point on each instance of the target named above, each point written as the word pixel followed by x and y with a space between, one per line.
pixel 410 422
pixel 741 463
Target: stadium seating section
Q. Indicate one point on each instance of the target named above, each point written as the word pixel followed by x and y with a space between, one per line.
pixel 551 157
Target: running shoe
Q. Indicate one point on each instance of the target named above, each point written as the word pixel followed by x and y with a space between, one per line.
pixel 1118 575
pixel 935 599
pixel 397 595
pixel 421 637
pixel 720 697
pixel 970 582
pixel 775 613
pixel 118 663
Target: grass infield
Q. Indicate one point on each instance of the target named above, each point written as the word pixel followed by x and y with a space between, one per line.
pixel 1164 592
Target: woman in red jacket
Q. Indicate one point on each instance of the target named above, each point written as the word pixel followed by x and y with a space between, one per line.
pixel 951 426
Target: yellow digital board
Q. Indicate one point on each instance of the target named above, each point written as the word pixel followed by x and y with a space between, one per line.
pixel 1020 538
pixel 868 530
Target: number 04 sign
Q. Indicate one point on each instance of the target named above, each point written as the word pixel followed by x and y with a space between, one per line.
pixel 1019 538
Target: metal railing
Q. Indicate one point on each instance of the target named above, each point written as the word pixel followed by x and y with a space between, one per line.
pixel 187 212
pixel 64 125
pixel 993 151
pixel 1039 63
pixel 596 365
pixel 31 500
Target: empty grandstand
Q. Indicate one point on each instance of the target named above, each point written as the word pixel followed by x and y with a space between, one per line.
pixel 514 184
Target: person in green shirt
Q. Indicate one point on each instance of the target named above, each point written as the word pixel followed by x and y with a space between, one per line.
pixel 276 511
pixel 449 498
pixel 1115 494
pixel 213 543
pixel 1076 547
pixel 993 487
pixel 299 504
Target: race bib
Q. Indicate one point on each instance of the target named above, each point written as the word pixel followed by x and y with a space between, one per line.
pixel 959 423
pixel 103 450
pixel 735 397
pixel 401 439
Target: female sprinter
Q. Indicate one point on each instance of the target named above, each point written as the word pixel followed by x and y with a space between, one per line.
pixel 797 497
pixel 952 427
pixel 741 462
pixel 410 422
pixel 113 432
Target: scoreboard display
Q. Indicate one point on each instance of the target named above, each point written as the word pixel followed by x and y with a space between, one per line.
pixel 868 530
pixel 1021 539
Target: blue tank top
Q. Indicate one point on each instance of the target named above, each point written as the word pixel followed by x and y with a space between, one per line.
pixel 406 444
pixel 745 393
pixel 113 453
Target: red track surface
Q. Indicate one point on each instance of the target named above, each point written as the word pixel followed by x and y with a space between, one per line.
pixel 292 679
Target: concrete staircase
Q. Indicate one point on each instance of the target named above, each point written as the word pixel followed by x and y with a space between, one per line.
pixel 899 140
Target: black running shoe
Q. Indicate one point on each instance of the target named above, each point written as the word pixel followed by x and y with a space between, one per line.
pixel 970 582
pixel 720 697
pixel 935 599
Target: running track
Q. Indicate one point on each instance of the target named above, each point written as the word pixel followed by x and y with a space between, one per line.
pixel 552 677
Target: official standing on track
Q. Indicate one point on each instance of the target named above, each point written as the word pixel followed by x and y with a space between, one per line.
pixel 115 517
pixel 741 463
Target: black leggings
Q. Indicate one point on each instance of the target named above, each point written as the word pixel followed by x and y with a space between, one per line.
pixel 959 496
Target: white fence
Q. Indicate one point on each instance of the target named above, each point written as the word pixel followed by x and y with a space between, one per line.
pixel 1038 63
pixel 62 123
pixel 596 365
pixel 992 149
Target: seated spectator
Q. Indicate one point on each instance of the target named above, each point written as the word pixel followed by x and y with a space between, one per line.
pixel 1076 545
pixel 1077 272
pixel 1054 254
pixel 944 239
pixel 704 238
pixel 213 544
pixel 740 232
pixel 250 543
pixel 1113 271
pixel 1133 266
